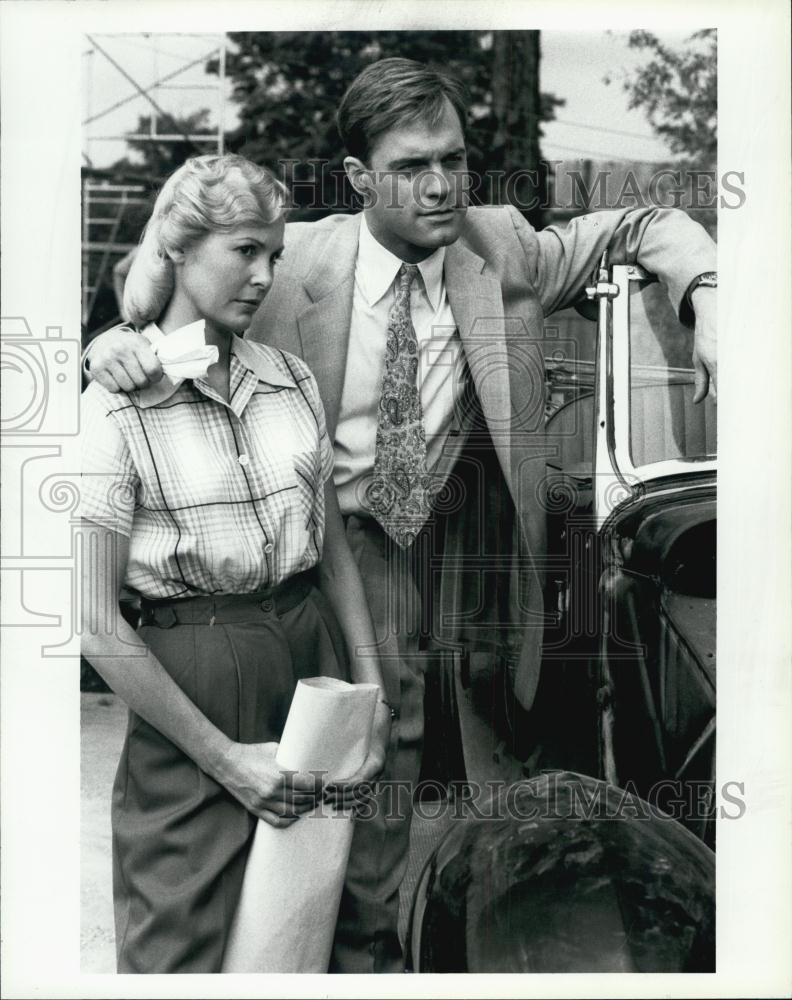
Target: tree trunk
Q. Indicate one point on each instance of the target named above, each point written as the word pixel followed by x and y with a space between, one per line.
pixel 516 107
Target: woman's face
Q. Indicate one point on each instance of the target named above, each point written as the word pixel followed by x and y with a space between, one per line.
pixel 226 275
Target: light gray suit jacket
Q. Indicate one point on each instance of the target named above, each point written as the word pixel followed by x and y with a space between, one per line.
pixel 502 278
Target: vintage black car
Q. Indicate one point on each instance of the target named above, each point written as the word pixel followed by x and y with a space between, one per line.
pixel 625 709
pixel 627 689
pixel 632 571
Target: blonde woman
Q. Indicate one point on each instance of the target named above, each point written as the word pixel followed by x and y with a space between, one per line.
pixel 213 499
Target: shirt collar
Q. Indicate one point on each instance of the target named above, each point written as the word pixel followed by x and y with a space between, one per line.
pixel 377 267
pixel 262 367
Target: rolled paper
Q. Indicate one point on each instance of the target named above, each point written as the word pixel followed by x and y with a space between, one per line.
pixel 288 907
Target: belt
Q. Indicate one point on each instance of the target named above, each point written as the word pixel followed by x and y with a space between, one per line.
pixel 226 608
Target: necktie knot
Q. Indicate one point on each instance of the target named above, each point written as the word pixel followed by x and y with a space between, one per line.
pixel 407 275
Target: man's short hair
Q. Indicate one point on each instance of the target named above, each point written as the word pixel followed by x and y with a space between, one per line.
pixel 394 92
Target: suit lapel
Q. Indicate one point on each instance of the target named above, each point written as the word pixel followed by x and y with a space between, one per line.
pixel 477 305
pixel 324 325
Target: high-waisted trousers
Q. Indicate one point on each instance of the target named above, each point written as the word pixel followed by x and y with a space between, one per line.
pixel 180 840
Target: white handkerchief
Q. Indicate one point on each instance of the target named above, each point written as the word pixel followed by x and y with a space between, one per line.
pixel 183 353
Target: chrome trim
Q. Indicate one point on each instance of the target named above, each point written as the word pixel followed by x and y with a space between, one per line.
pixel 636 273
pixel 616 479
pixel 663 490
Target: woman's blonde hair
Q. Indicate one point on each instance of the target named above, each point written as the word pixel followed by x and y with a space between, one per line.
pixel 206 194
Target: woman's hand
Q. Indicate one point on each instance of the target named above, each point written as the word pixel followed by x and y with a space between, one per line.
pixel 355 790
pixel 253 776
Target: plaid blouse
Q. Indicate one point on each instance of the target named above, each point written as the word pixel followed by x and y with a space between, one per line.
pixel 215 497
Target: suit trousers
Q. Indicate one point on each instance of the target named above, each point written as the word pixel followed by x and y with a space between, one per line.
pixel 180 840
pixel 367 938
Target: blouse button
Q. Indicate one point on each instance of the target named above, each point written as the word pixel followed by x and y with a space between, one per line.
pixel 269 547
pixel 244 459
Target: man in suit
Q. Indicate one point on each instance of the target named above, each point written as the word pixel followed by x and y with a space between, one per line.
pixel 423 323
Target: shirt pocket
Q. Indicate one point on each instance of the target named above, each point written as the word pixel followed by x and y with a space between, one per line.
pixel 297 441
pixel 277 481
pixel 297 447
pixel 282 448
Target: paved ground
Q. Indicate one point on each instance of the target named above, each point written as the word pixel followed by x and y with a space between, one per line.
pixel 103 720
pixel 103 725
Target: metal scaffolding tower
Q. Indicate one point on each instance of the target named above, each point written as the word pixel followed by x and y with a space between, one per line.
pixel 105 202
pixel 103 245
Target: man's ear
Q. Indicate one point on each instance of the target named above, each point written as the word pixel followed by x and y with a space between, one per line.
pixel 360 176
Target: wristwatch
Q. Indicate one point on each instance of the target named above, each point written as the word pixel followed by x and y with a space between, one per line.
pixel 709 279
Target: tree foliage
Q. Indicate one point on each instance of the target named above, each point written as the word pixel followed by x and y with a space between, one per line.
pixel 678 90
pixel 159 158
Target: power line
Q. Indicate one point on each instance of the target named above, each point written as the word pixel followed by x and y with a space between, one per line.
pixel 123 40
pixel 588 153
pixel 602 128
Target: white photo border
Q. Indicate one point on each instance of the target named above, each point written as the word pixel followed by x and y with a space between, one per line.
pixel 41 155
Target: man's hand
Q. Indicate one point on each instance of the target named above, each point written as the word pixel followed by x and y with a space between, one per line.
pixel 705 346
pixel 122 360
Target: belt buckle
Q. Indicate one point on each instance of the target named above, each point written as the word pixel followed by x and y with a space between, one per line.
pixel 164 617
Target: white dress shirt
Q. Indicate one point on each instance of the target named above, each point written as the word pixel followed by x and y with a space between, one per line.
pixel 438 366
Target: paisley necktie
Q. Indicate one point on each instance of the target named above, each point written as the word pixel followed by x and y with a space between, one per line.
pixel 399 492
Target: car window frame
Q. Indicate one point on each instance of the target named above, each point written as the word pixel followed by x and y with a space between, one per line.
pixel 617 480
